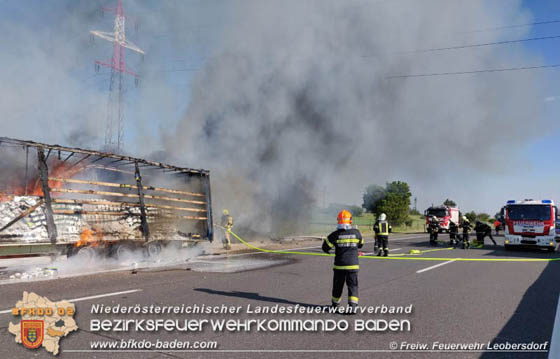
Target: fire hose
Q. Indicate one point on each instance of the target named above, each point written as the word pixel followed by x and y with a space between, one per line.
pixel 400 257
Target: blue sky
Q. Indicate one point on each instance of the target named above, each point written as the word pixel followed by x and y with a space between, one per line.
pixel 545 150
pixel 542 153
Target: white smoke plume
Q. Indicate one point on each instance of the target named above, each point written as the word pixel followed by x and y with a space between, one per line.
pixel 44 94
pixel 62 267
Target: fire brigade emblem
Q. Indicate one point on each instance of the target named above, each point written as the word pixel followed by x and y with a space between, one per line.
pixel 42 323
pixel 32 333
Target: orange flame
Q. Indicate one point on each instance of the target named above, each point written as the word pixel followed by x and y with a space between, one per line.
pixel 34 186
pixel 89 237
pixel 5 197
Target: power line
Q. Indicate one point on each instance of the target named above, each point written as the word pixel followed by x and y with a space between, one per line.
pixel 489 44
pixel 516 26
pixel 474 71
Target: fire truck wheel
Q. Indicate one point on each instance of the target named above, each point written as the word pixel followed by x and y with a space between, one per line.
pixel 153 249
pixel 507 247
pixel 551 249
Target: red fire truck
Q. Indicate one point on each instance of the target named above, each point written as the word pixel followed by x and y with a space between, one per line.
pixel 530 223
pixel 444 214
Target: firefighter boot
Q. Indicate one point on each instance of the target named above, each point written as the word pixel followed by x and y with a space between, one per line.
pixel 227 245
pixel 386 253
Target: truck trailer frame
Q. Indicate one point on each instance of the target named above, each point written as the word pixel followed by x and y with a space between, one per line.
pixel 94 188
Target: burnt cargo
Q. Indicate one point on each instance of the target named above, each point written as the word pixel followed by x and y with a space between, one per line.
pixel 60 199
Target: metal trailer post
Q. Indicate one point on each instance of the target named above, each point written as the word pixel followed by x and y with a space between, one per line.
pixel 26 167
pixel 209 208
pixel 44 173
pixel 143 221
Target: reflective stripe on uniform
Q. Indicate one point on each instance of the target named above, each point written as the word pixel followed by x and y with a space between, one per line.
pixel 353 300
pixel 347 267
pixel 354 240
pixel 384 228
pixel 336 300
pixel 329 243
pixel 348 244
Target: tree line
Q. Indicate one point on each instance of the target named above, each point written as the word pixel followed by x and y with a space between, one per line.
pixel 393 199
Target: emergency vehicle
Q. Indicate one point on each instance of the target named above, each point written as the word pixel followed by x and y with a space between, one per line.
pixel 530 223
pixel 444 214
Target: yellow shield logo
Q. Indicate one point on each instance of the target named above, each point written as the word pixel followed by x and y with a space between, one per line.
pixel 32 333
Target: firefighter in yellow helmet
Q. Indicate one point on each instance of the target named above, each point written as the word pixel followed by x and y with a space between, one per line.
pixel 345 241
pixel 382 228
pixel 227 224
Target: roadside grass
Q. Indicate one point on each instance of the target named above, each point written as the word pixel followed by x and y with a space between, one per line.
pixel 322 224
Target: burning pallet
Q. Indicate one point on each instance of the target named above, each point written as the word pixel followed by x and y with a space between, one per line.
pixel 77 198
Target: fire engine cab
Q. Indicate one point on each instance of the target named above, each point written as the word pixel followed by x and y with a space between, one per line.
pixel 444 215
pixel 530 223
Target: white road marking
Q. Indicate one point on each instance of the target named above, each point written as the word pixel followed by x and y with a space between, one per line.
pixel 555 339
pixel 434 266
pixel 90 297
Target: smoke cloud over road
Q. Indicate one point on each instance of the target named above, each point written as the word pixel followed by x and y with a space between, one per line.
pixel 299 98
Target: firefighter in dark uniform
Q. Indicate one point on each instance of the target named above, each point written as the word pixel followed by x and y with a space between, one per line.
pixel 482 230
pixel 382 228
pixel 467 226
pixel 453 231
pixel 433 228
pixel 346 241
pixel 226 223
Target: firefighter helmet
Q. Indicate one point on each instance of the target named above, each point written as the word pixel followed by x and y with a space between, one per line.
pixel 382 217
pixel 225 212
pixel 344 217
pixel 464 218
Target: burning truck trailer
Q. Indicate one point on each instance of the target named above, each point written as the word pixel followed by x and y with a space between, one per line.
pixel 61 200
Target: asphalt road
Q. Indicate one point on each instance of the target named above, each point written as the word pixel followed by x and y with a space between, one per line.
pixel 453 302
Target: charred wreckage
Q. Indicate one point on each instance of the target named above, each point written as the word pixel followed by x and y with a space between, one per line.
pixel 62 200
